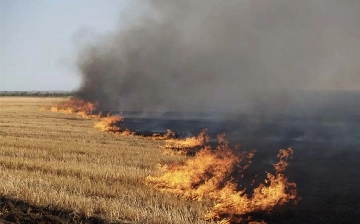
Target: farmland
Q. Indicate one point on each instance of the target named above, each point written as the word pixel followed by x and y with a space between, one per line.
pixel 60 162
pixel 67 164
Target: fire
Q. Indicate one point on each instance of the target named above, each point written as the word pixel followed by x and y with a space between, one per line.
pixel 83 108
pixel 216 174
pixel 189 145
pixel 125 132
pixel 168 135
pixel 276 190
pixel 197 179
pixel 283 155
pixel 110 123
pixel 212 174
pixel 75 106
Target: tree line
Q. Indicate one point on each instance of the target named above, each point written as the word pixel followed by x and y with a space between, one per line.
pixel 37 93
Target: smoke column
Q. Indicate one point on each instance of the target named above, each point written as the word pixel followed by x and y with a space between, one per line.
pixel 233 55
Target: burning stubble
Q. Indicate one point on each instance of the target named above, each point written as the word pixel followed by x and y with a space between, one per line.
pixel 224 55
pixel 216 175
pixel 211 174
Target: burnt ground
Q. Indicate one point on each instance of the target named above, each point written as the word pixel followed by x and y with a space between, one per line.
pixel 325 165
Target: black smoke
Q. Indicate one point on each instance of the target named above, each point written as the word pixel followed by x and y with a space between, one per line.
pixel 233 55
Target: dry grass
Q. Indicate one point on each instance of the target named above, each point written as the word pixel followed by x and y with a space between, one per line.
pixel 60 160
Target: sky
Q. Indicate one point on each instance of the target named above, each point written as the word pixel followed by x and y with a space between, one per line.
pixel 39 40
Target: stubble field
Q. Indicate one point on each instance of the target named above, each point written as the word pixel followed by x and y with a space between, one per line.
pixel 85 167
pixel 60 165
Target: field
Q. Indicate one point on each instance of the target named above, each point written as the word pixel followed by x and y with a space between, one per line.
pixel 58 168
pixel 61 166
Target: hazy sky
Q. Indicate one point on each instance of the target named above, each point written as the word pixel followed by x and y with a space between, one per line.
pixel 39 38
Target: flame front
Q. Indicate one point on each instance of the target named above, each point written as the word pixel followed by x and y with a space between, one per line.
pixel 83 108
pixel 110 123
pixel 168 135
pixel 216 174
pixel 188 145
pixel 194 179
pixel 213 174
pixel 276 190
pixel 75 106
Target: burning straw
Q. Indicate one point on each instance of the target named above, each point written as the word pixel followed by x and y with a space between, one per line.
pixel 167 136
pixel 83 108
pixel 110 123
pixel 216 174
pixel 187 146
pixel 212 174
pixel 77 106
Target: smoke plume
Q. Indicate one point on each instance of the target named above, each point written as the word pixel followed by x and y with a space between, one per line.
pixel 234 55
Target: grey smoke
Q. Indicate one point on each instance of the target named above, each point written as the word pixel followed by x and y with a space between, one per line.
pixel 233 55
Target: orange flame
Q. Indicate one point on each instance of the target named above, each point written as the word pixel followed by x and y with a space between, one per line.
pixel 83 108
pixel 197 179
pixel 210 174
pixel 256 222
pixel 125 132
pixel 168 135
pixel 110 123
pixel 276 190
pixel 189 145
pixel 75 106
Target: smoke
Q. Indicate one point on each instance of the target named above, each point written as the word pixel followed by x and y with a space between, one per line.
pixel 234 55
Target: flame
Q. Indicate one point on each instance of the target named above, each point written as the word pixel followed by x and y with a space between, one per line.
pixel 256 222
pixel 189 145
pixel 213 174
pixel 168 135
pixel 110 123
pixel 83 108
pixel 216 174
pixel 276 190
pixel 194 179
pixel 77 106
pixel 283 155
pixel 125 132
